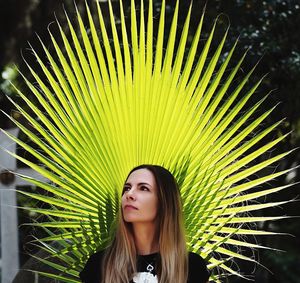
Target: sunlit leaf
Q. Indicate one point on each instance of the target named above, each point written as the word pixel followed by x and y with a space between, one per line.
pixel 115 98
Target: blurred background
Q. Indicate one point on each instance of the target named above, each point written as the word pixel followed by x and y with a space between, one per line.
pixel 269 28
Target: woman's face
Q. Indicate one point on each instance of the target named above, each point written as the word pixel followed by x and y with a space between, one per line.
pixel 139 199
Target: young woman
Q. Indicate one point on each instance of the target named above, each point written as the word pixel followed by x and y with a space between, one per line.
pixel 149 244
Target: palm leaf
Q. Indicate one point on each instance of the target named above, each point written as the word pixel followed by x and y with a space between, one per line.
pixel 106 107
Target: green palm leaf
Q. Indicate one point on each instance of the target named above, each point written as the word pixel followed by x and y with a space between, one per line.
pixel 107 107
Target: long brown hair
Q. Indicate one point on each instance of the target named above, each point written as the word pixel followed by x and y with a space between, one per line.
pixel 119 263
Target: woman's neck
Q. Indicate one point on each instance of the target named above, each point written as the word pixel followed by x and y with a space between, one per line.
pixel 145 238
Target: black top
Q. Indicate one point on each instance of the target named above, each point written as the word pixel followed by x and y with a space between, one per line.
pixel 198 273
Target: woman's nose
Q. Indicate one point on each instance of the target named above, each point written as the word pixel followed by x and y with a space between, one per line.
pixel 130 194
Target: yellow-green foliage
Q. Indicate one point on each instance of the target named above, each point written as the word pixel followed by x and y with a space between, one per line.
pixel 109 105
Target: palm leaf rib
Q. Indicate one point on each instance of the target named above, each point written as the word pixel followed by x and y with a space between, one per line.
pixel 107 106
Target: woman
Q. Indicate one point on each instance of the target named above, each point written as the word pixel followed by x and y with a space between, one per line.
pixel 149 244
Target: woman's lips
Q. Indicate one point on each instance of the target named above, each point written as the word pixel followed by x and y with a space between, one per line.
pixel 128 206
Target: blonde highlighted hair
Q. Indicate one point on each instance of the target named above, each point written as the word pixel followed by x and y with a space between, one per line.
pixel 120 259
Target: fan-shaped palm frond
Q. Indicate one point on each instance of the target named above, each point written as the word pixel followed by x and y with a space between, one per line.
pixel 108 106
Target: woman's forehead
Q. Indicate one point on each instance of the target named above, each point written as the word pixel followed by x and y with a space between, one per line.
pixel 142 175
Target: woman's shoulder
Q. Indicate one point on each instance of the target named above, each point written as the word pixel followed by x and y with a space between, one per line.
pixel 95 259
pixel 193 257
pixel 96 256
pixel 198 271
pixel 92 268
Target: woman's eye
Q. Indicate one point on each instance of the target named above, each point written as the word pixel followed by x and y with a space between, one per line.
pixel 144 188
pixel 126 189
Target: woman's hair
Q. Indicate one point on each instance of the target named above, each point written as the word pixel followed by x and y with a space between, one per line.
pixel 119 264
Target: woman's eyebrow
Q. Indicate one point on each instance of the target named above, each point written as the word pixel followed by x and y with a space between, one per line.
pixel 139 184
pixel 142 183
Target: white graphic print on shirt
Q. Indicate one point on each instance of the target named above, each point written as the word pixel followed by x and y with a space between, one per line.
pixel 144 277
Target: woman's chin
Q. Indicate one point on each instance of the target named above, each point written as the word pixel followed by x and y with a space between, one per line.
pixel 130 219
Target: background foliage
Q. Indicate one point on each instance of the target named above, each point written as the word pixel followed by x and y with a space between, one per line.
pixel 268 27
